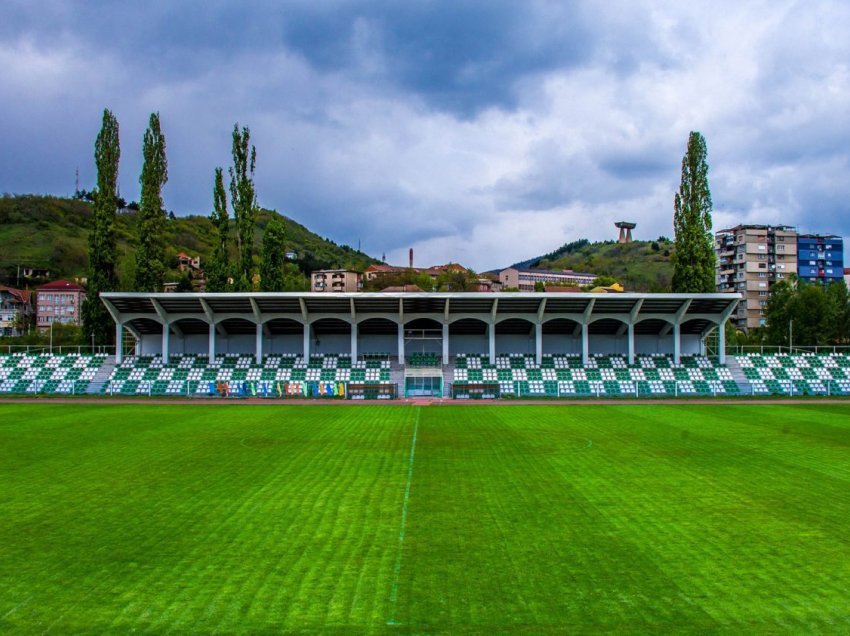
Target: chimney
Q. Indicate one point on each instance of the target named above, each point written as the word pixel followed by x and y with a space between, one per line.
pixel 411 258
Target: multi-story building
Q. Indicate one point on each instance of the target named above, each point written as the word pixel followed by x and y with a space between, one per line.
pixel 336 280
pixel 750 260
pixel 59 301
pixel 820 258
pixel 525 279
pixel 15 310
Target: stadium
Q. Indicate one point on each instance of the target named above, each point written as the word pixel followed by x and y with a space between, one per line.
pixel 146 498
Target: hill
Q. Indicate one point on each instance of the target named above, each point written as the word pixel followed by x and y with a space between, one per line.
pixel 52 233
pixel 642 266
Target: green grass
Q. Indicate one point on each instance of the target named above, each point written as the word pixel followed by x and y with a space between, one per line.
pixel 498 518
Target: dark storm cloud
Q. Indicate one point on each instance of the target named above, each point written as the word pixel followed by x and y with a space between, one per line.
pixel 483 132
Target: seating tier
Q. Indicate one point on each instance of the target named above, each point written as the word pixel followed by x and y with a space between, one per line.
pixel 603 375
pixel 239 374
pixel 798 374
pixel 48 373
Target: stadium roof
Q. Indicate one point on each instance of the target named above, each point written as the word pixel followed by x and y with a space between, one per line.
pixel 147 312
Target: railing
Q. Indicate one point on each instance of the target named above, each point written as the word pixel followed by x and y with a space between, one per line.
pixel 780 349
pixel 64 349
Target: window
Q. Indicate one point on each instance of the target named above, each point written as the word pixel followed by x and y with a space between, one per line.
pixel 780 248
pixel 780 238
pixel 762 274
pixel 762 293
pixel 761 257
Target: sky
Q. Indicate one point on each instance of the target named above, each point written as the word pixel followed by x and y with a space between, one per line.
pixel 483 132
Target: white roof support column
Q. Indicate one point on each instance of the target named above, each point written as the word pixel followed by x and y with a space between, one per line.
pixel 401 332
pixel 446 332
pixel 166 332
pixel 211 343
pixel 213 329
pixel 166 328
pixel 677 343
pixel 260 331
pixel 258 347
pixel 401 343
pixel 585 332
pixel 721 331
pixel 677 330
pixel 354 336
pixel 538 343
pixel 305 316
pixel 633 314
pixel 538 340
pixel 119 342
pixel 491 331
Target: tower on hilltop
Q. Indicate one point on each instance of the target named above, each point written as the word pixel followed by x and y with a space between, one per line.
pixel 625 231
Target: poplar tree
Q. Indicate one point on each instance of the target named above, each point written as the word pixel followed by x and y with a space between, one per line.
pixel 97 323
pixel 150 255
pixel 693 258
pixel 218 268
pixel 244 201
pixel 272 276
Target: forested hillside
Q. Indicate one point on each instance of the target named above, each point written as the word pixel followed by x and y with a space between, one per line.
pixel 52 233
pixel 642 266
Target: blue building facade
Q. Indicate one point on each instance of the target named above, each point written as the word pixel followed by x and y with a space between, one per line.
pixel 820 258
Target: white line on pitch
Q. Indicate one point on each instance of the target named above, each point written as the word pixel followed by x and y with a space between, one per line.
pixel 397 567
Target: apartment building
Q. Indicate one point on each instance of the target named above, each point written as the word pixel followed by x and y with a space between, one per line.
pixel 750 260
pixel 15 310
pixel 59 301
pixel 820 258
pixel 336 280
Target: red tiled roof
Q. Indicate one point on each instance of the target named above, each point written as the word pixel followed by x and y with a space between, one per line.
pixel 23 294
pixel 60 285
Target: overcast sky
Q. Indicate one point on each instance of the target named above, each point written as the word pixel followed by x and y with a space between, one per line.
pixel 481 132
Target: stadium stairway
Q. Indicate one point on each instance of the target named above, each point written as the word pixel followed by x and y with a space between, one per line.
pixel 95 387
pixel 397 374
pixel 448 378
pixel 744 386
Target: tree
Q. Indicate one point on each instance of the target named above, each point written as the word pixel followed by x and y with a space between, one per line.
pixel 218 269
pixel 97 324
pixel 244 201
pixel 693 257
pixel 838 303
pixel 184 283
pixel 779 311
pixel 150 255
pixel 271 266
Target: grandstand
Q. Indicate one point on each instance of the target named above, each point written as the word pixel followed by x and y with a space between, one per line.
pixel 361 346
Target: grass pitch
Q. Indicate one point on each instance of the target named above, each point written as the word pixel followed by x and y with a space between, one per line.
pixel 207 518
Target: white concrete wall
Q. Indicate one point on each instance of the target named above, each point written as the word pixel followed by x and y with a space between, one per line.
pixel 377 343
pixel 468 344
pixel 151 345
pixel 330 343
pixel 284 343
pixel 514 343
pixel 561 343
